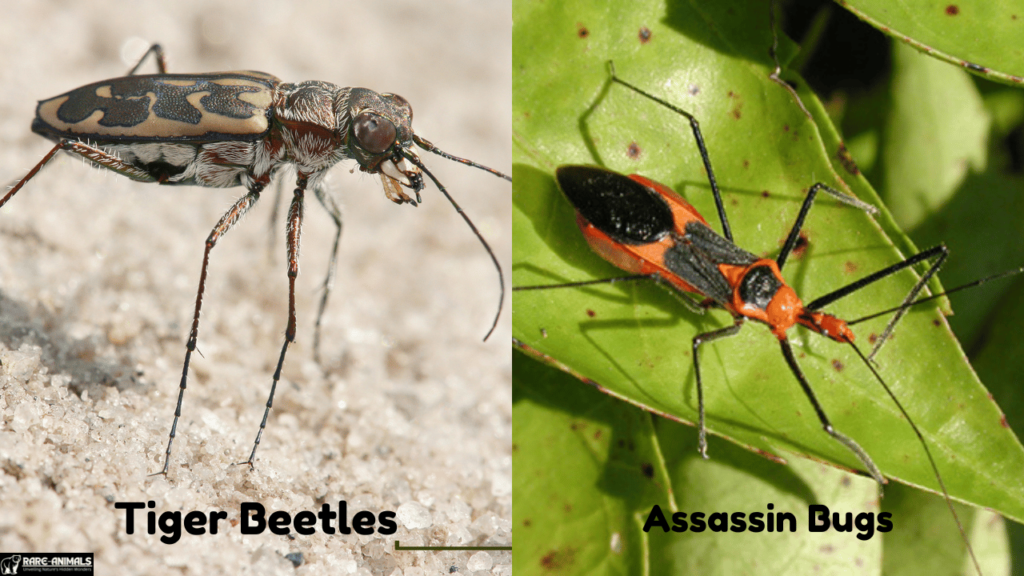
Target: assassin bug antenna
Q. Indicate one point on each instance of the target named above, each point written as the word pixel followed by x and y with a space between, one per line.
pixel 649 231
pixel 906 305
pixel 241 129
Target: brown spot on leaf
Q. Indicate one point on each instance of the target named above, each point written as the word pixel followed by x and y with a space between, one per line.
pixel 851 267
pixel 952 10
pixel 644 35
pixel 581 30
pixel 591 313
pixel 837 365
pixel 765 193
pixel 800 248
pixel 648 470
pixel 633 151
pixel 846 159
pixel 558 559
pixel 527 522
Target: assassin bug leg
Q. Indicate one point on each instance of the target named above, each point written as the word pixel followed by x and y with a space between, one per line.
pixel 939 253
pixel 869 464
pixel 702 431
pixel 705 158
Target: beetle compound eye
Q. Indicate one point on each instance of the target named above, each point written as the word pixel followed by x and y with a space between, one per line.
pixel 374 133
pixel 401 103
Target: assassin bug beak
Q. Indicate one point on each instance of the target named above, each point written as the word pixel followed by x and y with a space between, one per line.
pixel 411 156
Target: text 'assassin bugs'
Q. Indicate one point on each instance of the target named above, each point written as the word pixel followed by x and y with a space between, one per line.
pixel 651 232
pixel 240 129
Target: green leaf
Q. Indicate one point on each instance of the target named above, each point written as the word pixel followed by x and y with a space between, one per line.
pixel 584 466
pixel 589 470
pixel 634 340
pixel 936 133
pixel 981 36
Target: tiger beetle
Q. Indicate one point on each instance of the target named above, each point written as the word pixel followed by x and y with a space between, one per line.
pixel 240 129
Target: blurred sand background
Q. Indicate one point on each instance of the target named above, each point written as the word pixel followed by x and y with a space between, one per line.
pixel 410 410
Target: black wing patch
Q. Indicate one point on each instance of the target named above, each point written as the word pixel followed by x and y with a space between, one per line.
pixel 695 258
pixel 129 98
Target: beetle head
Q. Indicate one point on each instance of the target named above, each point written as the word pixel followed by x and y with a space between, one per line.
pixel 380 138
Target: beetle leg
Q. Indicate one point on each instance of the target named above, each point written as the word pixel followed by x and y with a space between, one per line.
pixel 158 54
pixel 327 201
pixel 275 207
pixel 702 431
pixel 226 222
pixel 95 155
pixel 292 237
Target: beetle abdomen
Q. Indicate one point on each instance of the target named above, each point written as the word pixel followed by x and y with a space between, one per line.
pixel 176 107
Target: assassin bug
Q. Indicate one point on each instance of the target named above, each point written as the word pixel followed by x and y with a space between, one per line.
pixel 240 129
pixel 649 231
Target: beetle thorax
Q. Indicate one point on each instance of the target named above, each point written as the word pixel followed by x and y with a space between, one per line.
pixel 311 123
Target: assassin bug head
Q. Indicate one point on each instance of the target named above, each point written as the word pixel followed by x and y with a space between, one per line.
pixel 827 325
pixel 379 136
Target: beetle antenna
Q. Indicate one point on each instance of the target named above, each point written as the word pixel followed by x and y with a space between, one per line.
pixel 931 460
pixel 429 147
pixel 979 282
pixel 501 275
